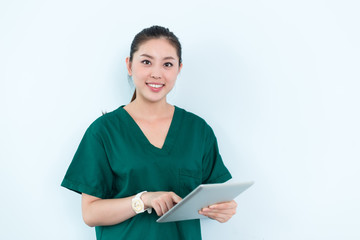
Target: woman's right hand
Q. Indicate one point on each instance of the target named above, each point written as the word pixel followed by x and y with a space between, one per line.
pixel 161 202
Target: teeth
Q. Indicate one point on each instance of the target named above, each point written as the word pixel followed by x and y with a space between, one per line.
pixel 155 85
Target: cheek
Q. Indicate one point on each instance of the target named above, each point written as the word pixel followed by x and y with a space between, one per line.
pixel 139 74
pixel 172 75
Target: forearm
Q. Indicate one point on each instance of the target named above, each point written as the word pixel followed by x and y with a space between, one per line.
pixel 103 212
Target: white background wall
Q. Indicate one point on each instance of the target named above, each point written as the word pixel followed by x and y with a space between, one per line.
pixel 277 80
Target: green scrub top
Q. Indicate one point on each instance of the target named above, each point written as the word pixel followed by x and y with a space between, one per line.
pixel 116 160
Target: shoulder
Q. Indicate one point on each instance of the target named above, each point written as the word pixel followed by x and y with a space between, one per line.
pixel 195 122
pixel 105 122
pixel 190 116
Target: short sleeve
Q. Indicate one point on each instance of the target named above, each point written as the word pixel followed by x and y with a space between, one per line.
pixel 89 171
pixel 214 170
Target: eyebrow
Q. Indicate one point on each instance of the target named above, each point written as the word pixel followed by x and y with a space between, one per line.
pixel 151 57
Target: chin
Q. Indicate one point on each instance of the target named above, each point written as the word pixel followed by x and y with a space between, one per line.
pixel 154 99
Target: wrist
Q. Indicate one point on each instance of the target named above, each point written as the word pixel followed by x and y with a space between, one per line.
pixel 144 198
pixel 138 205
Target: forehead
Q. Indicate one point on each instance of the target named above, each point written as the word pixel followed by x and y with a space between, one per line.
pixel 158 48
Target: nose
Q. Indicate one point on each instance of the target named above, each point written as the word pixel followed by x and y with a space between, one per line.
pixel 155 76
pixel 156 73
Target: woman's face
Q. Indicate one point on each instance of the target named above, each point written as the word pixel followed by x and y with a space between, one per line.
pixel 154 69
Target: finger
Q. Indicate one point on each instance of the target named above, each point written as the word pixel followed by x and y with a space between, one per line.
pixel 157 208
pixel 221 211
pixel 220 217
pixel 216 216
pixel 166 203
pixel 163 208
pixel 169 204
pixel 206 209
pixel 202 212
pixel 214 208
pixel 175 198
pixel 224 205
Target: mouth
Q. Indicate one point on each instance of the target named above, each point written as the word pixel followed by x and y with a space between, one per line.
pixel 155 85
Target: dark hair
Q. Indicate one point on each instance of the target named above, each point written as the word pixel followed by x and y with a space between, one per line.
pixel 154 32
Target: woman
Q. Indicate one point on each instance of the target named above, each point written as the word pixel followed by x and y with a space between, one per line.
pixel 135 163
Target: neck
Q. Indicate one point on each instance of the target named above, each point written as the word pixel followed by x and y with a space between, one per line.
pixel 150 110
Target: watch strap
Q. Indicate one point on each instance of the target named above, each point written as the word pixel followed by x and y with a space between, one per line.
pixel 138 196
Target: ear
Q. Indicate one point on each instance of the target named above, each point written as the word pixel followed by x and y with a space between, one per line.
pixel 128 66
pixel 180 67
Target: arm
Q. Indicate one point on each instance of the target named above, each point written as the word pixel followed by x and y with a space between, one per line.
pixel 221 212
pixel 103 212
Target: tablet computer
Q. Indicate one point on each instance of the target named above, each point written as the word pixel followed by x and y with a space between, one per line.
pixel 203 196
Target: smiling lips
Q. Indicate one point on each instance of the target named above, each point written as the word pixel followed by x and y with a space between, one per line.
pixel 155 87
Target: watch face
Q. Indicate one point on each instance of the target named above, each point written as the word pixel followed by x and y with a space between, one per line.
pixel 137 205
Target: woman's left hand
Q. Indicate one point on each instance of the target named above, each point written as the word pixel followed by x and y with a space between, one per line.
pixel 221 212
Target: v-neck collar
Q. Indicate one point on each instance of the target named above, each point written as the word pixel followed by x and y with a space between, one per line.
pixel 170 137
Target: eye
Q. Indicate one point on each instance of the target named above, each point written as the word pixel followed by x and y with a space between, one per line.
pixel 146 62
pixel 168 64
